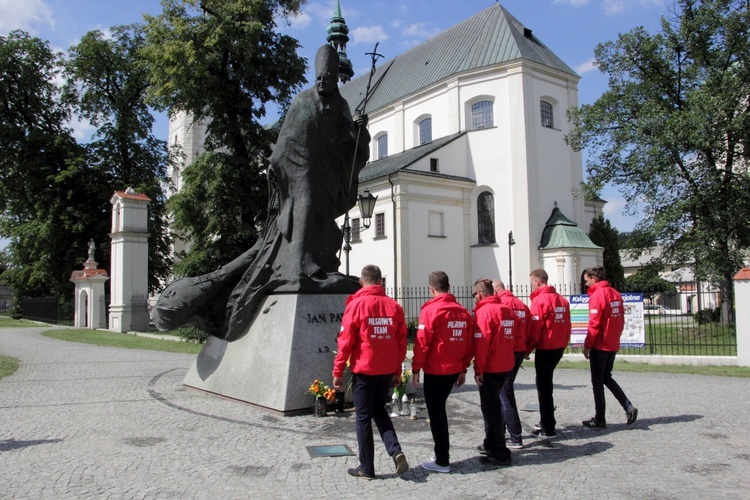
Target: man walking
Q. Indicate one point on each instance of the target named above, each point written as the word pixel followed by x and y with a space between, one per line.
pixel 443 350
pixel 508 395
pixel 606 321
pixel 549 336
pixel 494 324
pixel 373 340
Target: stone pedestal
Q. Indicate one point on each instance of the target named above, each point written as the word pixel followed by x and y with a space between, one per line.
pixel 291 342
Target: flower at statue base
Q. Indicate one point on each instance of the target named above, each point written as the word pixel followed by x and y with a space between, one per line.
pixel 320 390
pixel 406 376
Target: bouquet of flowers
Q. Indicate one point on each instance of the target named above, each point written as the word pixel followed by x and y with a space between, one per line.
pixel 405 379
pixel 320 390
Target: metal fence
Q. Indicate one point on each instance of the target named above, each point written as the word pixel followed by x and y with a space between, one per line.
pixel 40 309
pixel 670 329
pixel 104 311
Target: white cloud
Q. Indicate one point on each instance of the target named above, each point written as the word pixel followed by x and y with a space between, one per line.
pixel 420 30
pixel 586 66
pixel 368 34
pixel 614 7
pixel 24 15
pixel 574 3
pixel 300 21
pixel 83 131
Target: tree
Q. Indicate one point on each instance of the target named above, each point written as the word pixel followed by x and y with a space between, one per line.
pixel 44 205
pixel 107 84
pixel 222 61
pixel 672 133
pixel 603 234
pixel 648 282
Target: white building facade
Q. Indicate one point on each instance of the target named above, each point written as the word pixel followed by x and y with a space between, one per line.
pixel 467 145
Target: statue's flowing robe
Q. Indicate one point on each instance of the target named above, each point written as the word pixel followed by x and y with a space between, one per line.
pixel 311 183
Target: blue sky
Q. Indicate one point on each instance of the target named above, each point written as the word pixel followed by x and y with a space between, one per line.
pixel 570 28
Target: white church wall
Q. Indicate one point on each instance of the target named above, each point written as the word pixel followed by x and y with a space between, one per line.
pixel 436 105
pixel 453 159
pixel 435 239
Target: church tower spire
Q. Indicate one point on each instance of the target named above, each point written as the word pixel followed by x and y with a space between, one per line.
pixel 338 33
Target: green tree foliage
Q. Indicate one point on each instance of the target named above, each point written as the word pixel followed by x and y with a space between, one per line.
pixel 44 204
pixel 672 133
pixel 603 234
pixel 107 84
pixel 648 282
pixel 221 61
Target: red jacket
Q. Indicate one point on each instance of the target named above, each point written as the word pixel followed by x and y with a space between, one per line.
pixel 524 318
pixel 444 337
pixel 494 324
pixel 373 334
pixel 606 317
pixel 550 320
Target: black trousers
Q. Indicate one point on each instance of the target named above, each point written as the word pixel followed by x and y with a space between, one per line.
pixel 545 362
pixel 492 413
pixel 508 399
pixel 601 363
pixel 370 393
pixel 437 388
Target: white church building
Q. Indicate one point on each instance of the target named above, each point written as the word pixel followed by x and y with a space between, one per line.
pixel 467 146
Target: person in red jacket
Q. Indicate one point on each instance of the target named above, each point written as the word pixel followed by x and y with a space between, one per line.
pixel 606 321
pixel 443 350
pixel 508 395
pixel 373 340
pixel 549 336
pixel 494 325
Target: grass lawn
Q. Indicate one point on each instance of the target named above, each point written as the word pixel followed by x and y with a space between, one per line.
pixel 8 322
pixel 112 339
pixel 625 366
pixel 8 366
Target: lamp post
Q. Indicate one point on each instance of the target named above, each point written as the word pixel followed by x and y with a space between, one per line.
pixel 511 242
pixel 366 202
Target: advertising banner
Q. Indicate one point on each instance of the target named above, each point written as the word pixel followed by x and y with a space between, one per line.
pixel 634 333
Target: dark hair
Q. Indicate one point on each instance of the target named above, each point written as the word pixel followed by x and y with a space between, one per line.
pixel 484 285
pixel 540 274
pixel 371 275
pixel 439 281
pixel 594 272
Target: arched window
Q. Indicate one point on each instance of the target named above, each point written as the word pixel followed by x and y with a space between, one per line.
pixel 382 146
pixel 486 217
pixel 481 115
pixel 548 116
pixel 425 131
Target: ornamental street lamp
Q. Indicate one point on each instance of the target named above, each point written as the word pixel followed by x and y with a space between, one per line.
pixel 366 203
pixel 511 242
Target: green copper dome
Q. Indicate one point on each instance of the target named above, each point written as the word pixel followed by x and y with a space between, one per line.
pixel 338 37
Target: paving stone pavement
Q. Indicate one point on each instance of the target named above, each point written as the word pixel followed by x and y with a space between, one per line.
pixel 82 421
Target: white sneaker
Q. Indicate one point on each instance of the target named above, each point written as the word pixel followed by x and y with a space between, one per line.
pixel 434 467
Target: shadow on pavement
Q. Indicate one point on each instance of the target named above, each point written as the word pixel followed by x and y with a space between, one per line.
pixel 582 432
pixel 12 444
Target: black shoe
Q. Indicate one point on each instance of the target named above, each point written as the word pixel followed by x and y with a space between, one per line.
pixel 541 434
pixel 401 464
pixel 358 472
pixel 594 423
pixel 492 460
pixel 481 449
pixel 538 427
pixel 632 415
